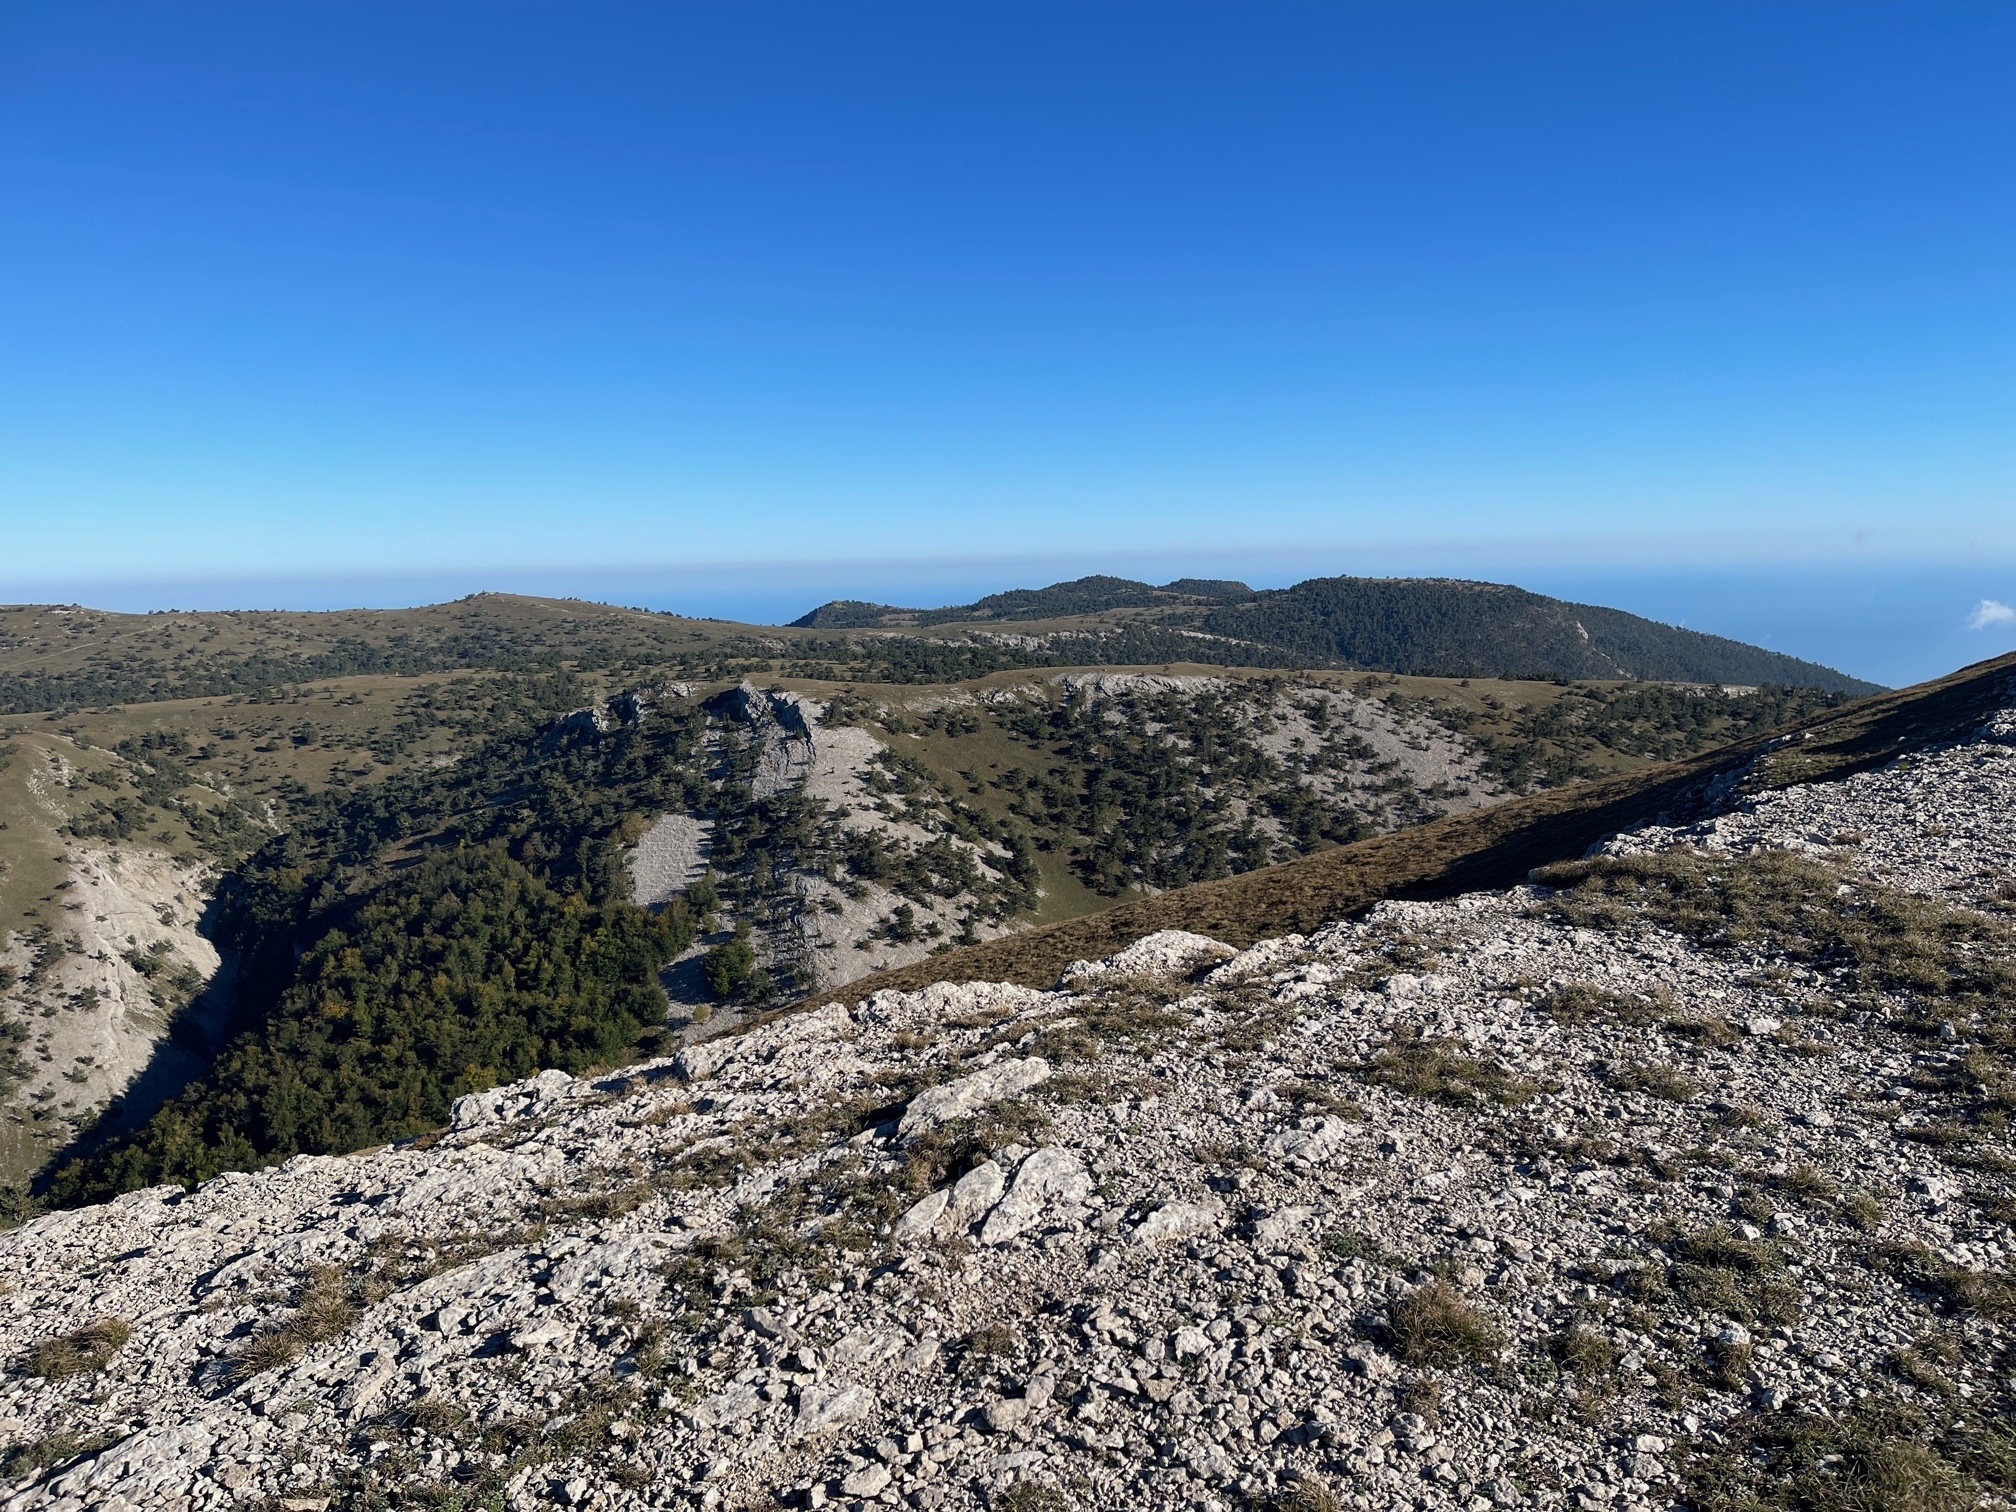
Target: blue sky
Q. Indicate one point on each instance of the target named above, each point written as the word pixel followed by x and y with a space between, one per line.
pixel 490 291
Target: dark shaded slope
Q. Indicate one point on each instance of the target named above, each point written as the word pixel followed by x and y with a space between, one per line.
pixel 1087 595
pixel 1493 848
pixel 1451 628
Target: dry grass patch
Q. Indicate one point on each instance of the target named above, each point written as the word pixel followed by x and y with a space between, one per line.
pixel 82 1351
pixel 1583 1350
pixel 326 1304
pixel 1668 1083
pixel 1437 1070
pixel 1881 1455
pixel 1581 1003
pixel 1985 1294
pixel 1795 908
pixel 1436 1324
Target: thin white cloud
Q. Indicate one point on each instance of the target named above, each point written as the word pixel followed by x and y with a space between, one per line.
pixel 1990 612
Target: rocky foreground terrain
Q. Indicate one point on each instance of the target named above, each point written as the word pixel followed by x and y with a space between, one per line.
pixel 1679 1176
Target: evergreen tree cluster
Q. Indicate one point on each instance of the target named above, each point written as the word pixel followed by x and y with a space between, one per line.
pixel 436 934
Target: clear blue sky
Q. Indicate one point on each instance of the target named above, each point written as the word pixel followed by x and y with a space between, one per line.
pixel 350 288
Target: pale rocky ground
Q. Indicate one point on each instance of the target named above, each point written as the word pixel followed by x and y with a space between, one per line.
pixel 833 929
pixel 750 1276
pixel 93 1020
pixel 1936 823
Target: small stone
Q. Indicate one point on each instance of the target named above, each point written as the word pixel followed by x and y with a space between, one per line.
pixel 1006 1415
pixel 869 1480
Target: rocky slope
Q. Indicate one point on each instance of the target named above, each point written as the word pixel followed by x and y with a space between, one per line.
pixel 821 922
pixel 1680 1175
pixel 101 946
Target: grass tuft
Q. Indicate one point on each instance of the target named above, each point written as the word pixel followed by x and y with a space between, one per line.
pixel 1435 1324
pixel 82 1351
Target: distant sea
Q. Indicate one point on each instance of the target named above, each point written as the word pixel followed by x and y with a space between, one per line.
pixel 1892 624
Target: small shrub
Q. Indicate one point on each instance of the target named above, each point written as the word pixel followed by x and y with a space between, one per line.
pixel 1644 1284
pixel 995 1341
pixel 1436 1325
pixel 82 1351
pixel 1348 1244
pixel 1860 1210
pixel 1710 1031
pixel 1732 1362
pixel 1307 1096
pixel 1754 1205
pixel 1026 1496
pixel 429 1413
pixel 1306 1495
pixel 729 965
pixel 1742 1116
pixel 1423 1397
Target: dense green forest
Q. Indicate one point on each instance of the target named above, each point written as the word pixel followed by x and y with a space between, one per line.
pixel 1443 628
pixel 466 972
pixel 445 930
pixel 421 938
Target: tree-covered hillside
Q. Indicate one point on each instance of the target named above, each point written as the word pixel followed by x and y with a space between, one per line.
pixel 1439 627
pixel 1431 627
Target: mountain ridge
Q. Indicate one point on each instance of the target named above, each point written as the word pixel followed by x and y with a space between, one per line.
pixel 1447 627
